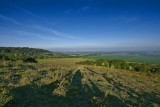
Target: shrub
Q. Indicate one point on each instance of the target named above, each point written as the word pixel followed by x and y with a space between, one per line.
pixel 87 62
pixel 102 62
pixel 32 60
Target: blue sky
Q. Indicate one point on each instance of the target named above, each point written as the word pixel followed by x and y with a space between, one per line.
pixel 81 24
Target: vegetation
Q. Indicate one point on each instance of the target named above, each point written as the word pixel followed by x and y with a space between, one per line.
pixel 121 64
pixel 152 58
pixel 47 84
pixel 19 54
pixel 70 80
pixel 32 60
pixel 60 61
pixel 14 54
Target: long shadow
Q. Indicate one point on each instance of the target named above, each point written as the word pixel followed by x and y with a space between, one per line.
pixel 92 71
pixel 96 90
pixel 32 95
pixel 78 94
pixel 37 96
pixel 113 101
pixel 144 99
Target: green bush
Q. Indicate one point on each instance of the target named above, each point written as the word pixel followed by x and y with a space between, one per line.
pixel 32 60
pixel 87 62
pixel 102 62
pixel 121 64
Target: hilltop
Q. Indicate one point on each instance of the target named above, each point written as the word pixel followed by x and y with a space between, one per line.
pixel 60 82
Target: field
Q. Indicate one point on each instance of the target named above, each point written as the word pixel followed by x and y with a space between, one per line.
pixel 60 61
pixel 141 58
pixel 62 83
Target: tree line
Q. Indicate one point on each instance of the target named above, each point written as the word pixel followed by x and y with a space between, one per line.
pixel 22 53
pixel 121 64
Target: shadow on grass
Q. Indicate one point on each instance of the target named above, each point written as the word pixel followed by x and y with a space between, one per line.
pixel 135 98
pixel 77 95
pixel 92 71
pixel 32 95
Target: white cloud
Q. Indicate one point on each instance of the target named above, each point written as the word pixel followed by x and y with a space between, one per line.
pixel 9 20
pixel 125 18
pixel 26 11
pixel 54 35
pixel 54 32
pixel 37 35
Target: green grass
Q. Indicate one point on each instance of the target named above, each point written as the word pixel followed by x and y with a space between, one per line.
pixel 141 58
pixel 62 83
pixel 60 61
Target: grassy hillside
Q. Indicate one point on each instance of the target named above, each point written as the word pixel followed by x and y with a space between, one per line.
pixel 55 82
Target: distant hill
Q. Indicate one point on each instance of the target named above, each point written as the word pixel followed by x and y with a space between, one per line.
pixel 19 53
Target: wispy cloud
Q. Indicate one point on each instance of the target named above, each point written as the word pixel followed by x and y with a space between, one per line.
pixel 9 19
pixel 88 7
pixel 54 32
pixel 26 11
pixel 30 13
pixel 51 38
pixel 125 18
pixel 128 19
pixel 61 34
pixel 85 8
pixel 15 41
pixel 68 10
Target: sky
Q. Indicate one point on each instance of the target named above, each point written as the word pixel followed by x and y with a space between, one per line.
pixel 81 24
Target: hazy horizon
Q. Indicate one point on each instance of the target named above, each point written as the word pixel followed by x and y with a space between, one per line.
pixel 81 25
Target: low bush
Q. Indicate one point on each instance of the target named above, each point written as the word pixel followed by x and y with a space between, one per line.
pixel 31 60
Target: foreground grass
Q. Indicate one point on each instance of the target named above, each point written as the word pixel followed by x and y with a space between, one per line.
pixel 65 84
